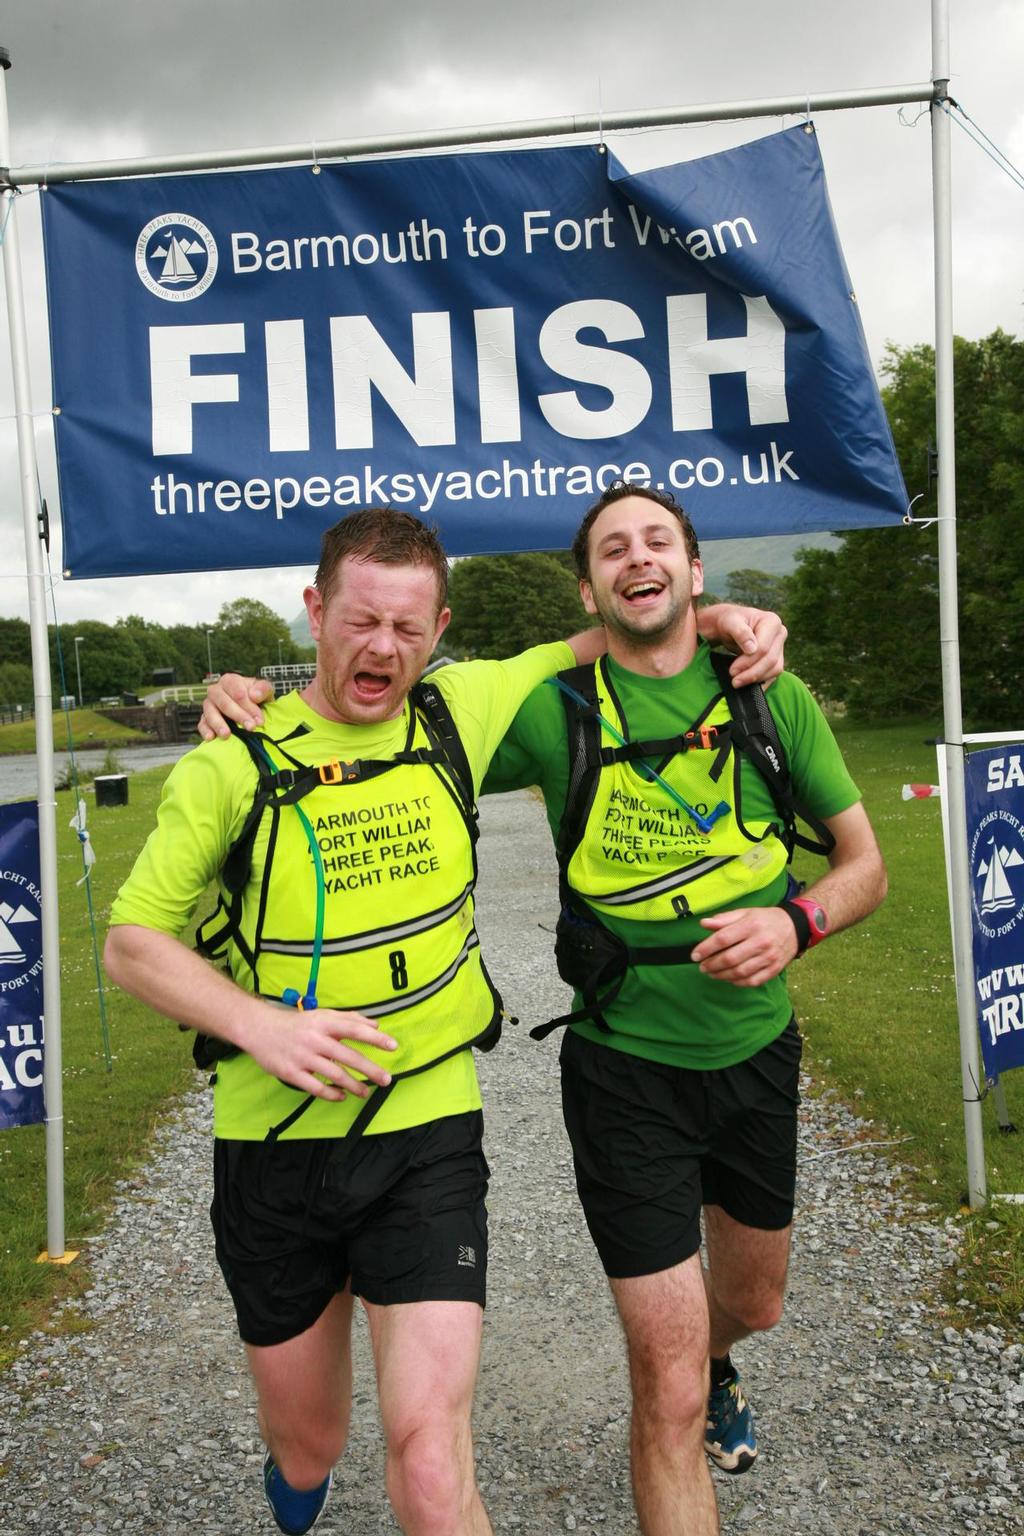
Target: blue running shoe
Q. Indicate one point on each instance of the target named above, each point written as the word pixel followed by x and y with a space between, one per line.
pixel 295 1510
pixel 730 1439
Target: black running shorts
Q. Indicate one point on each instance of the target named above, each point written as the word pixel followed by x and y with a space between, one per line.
pixel 401 1215
pixel 652 1144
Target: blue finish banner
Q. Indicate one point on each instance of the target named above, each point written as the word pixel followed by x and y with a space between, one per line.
pixel 994 787
pixel 485 339
pixel 21 968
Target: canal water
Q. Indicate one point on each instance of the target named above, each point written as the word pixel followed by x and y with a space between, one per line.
pixel 19 778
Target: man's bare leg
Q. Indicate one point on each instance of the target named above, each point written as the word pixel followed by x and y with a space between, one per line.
pixel 745 1278
pixel 427 1356
pixel 666 1324
pixel 304 1388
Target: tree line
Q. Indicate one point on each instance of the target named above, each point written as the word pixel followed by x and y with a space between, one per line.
pixel 122 657
pixel 864 618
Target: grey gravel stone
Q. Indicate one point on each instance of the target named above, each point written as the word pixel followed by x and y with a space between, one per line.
pixel 874 1420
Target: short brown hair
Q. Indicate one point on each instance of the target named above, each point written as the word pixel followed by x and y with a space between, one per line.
pixel 385 536
pixel 618 491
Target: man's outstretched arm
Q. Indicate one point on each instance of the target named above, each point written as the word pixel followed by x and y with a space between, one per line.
pixel 757 635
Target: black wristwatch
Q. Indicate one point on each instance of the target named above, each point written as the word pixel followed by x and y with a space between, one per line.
pixel 810 920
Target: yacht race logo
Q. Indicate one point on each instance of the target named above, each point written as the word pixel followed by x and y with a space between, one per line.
pixel 997 872
pixel 20 930
pixel 176 257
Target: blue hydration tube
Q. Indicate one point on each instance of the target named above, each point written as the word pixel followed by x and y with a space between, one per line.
pixel 705 823
pixel 293 998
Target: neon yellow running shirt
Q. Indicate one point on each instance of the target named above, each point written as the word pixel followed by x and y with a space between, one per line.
pixel 205 801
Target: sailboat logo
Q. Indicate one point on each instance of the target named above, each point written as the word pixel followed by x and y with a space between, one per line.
pixel 997 860
pixel 997 892
pixel 12 934
pixel 176 257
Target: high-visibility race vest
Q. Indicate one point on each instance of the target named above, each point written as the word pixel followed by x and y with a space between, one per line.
pixel 639 854
pixel 395 844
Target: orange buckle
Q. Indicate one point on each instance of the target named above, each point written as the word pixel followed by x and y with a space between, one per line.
pixel 339 773
pixel 708 736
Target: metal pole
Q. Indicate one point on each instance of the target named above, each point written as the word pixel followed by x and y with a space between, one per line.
pixel 209 655
pixel 949 643
pixel 486 133
pixel 52 1082
pixel 78 667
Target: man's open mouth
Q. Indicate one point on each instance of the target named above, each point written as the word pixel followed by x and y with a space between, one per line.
pixel 642 591
pixel 372 685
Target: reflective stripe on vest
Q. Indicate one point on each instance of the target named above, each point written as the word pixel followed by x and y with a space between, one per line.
pixel 641 856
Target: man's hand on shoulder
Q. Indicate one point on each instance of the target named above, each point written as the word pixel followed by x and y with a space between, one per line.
pixel 758 635
pixel 235 698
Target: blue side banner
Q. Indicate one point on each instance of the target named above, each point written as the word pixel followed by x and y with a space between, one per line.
pixel 994 787
pixel 486 339
pixel 21 968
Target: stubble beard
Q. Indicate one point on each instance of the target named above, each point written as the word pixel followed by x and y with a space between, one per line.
pixel 645 637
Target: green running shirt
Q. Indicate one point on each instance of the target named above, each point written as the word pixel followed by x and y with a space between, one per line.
pixel 674 1014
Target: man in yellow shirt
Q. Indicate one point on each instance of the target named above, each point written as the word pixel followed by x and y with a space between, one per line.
pixel 353 967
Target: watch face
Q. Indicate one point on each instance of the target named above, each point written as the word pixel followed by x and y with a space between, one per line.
pixel 819 919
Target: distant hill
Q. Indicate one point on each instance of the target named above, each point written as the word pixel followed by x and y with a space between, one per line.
pixel 774 553
pixel 299 629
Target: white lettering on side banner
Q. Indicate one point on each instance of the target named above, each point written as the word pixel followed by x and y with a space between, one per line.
pixel 1004 1014
pixel 21 1055
pixel 1005 773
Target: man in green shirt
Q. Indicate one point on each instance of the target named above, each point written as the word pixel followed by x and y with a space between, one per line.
pixel 680 1089
pixel 342 841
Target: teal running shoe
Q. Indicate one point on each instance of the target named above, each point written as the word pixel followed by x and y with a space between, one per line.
pixel 729 1438
pixel 295 1510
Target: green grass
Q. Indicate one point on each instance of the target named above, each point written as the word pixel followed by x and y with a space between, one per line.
pixel 878 1008
pixel 88 729
pixel 109 1117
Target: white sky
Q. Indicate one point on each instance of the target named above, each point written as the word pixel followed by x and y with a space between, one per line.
pixel 132 77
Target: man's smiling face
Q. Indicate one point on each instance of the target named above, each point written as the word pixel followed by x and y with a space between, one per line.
pixel 374 636
pixel 642 582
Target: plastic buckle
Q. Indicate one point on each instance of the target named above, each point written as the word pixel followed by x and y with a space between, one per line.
pixel 339 773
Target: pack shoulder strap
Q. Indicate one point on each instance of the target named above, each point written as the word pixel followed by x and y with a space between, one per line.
pixel 583 742
pixel 756 735
pixel 444 737
pixel 223 922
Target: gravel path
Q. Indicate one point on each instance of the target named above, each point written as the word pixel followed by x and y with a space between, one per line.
pixel 872 1418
